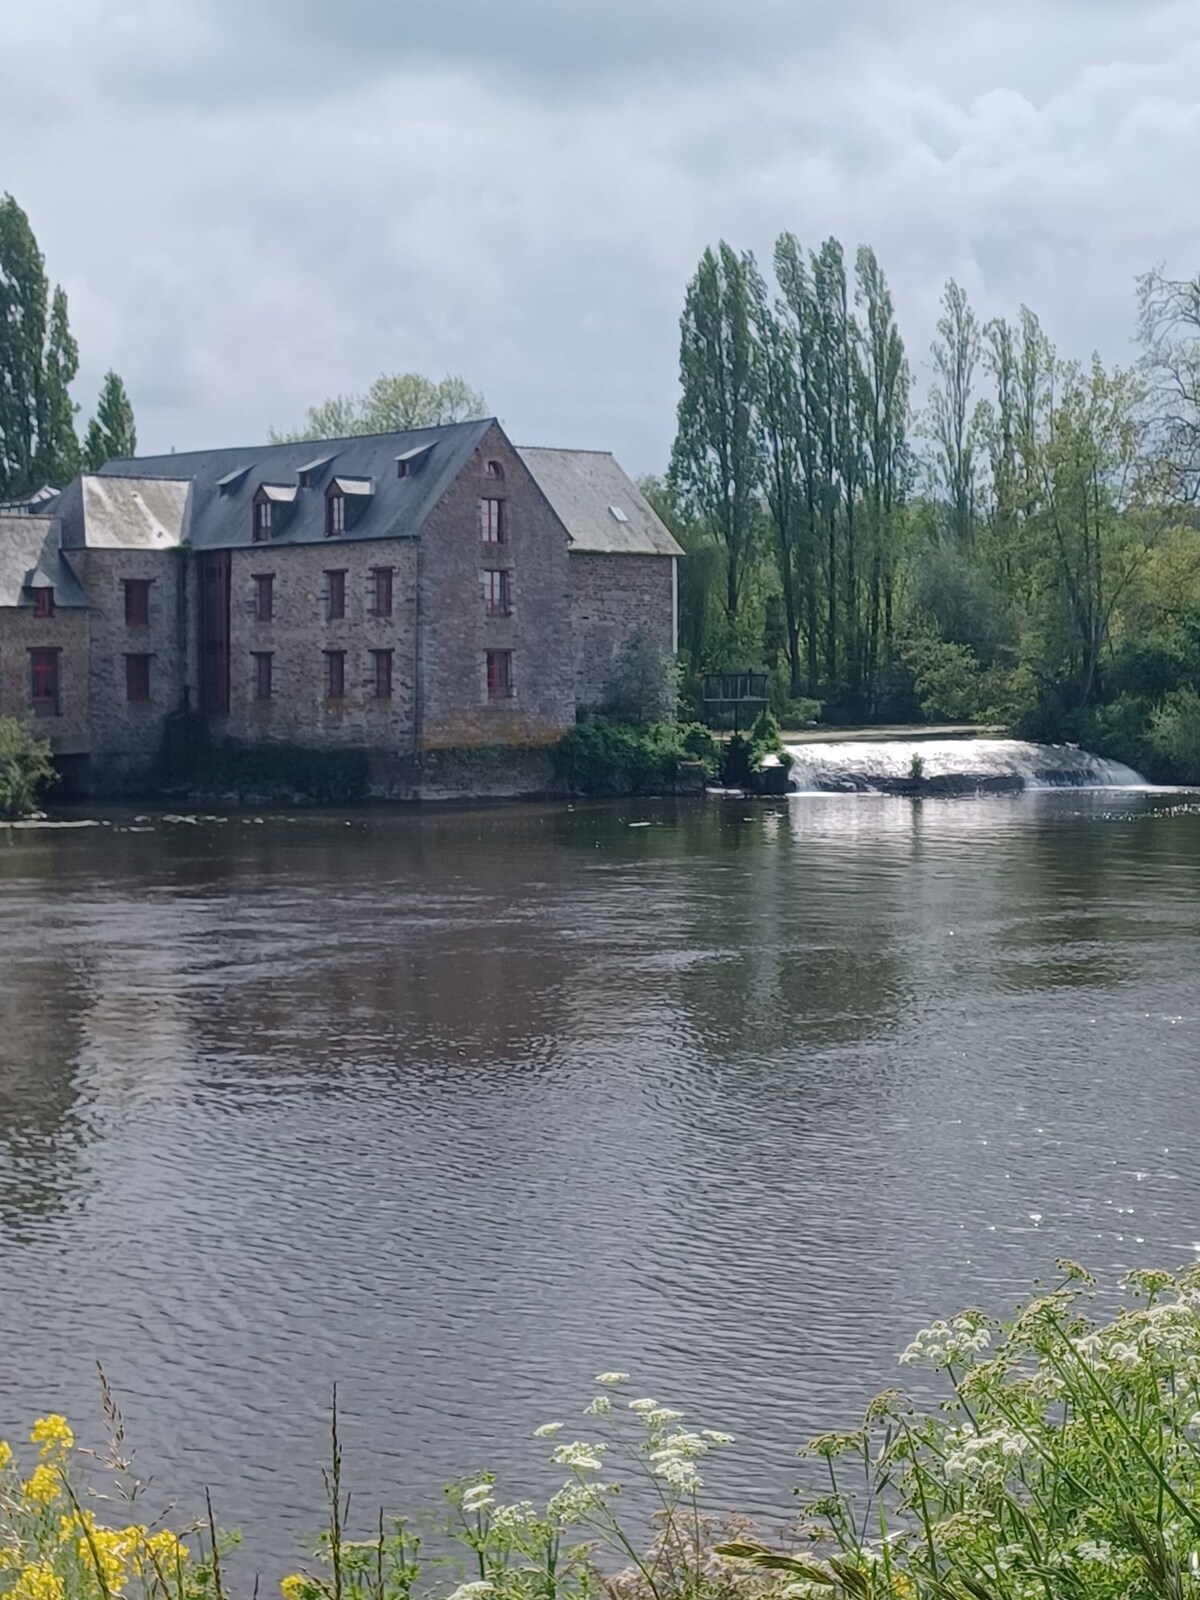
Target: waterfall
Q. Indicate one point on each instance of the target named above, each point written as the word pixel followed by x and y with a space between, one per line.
pixel 951 766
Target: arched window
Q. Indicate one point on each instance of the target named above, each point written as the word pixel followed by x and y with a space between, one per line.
pixel 493 470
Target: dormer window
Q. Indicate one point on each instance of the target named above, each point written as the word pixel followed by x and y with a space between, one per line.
pixel 493 470
pixel 335 514
pixel 262 521
pixel 43 602
pixel 408 462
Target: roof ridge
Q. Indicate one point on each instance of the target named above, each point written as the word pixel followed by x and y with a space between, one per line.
pixel 564 449
pixel 282 444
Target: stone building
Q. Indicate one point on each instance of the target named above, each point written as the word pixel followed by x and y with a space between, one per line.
pixel 414 596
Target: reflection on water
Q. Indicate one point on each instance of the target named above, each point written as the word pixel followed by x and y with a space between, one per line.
pixel 460 1108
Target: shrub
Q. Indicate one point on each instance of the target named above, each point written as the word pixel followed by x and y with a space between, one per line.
pixel 612 758
pixel 947 677
pixel 642 686
pixel 1175 734
pixel 25 769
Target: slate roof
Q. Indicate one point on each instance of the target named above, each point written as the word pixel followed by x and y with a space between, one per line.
pixel 586 488
pixel 397 508
pixel 28 551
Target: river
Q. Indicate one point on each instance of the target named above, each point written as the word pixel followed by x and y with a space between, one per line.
pixel 458 1108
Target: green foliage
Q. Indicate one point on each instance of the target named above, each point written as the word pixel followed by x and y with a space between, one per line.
pixel 947 677
pixel 25 769
pixel 916 767
pixel 612 758
pixel 1062 1462
pixel 744 755
pixel 642 685
pixel 190 760
pixel 395 402
pixel 112 432
pixel 1175 734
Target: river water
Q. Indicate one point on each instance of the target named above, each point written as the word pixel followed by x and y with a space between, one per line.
pixel 459 1108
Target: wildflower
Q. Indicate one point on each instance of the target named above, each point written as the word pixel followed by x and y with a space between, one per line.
pixel 1094 1550
pixel 686 1445
pixel 573 1502
pixel 612 1380
pixel 295 1586
pixel 642 1407
pixel 513 1518
pixel 44 1485
pixel 600 1407
pixel 680 1473
pixel 478 1498
pixel 714 1437
pixel 949 1344
pixel 547 1430
pixel 52 1433
pixel 6 1454
pixel 580 1457
pixel 472 1591
pixel 661 1415
pixel 38 1581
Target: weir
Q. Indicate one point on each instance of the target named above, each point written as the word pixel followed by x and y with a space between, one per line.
pixel 951 766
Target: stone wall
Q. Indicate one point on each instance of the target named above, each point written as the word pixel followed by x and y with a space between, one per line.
pixel 126 735
pixel 614 597
pixel 301 631
pixel 456 630
pixel 67 632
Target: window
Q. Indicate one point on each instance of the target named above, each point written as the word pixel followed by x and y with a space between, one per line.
pixel 382 660
pixel 499 674
pixel 43 602
pixel 137 602
pixel 493 470
pixel 43 682
pixel 493 521
pixel 262 521
pixel 381 591
pixel 335 515
pixel 335 596
pixel 264 671
pixel 137 679
pixel 497 594
pixel 335 674
pixel 264 596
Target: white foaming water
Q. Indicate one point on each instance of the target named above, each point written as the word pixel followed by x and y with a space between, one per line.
pixel 867 765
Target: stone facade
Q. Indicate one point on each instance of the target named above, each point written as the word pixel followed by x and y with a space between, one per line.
pixel 511 577
pixel 613 599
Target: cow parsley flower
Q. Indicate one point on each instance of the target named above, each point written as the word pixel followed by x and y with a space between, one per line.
pixel 612 1380
pixel 547 1430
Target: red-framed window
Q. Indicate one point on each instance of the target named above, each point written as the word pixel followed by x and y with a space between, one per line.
pixel 382 662
pixel 335 674
pixel 264 596
pixel 499 675
pixel 262 521
pixel 335 595
pixel 43 602
pixel 493 520
pixel 335 514
pixel 497 593
pixel 264 674
pixel 137 602
pixel 43 682
pixel 137 679
pixel 381 591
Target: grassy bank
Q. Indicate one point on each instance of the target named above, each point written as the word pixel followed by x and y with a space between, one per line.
pixel 1063 1463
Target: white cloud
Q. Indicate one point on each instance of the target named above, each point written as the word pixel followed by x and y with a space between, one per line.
pixel 254 207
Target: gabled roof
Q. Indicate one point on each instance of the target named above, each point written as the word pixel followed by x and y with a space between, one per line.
pixel 398 507
pixel 602 509
pixel 29 553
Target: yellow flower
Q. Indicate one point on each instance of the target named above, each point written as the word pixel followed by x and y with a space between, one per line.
pixel 52 1433
pixel 5 1454
pixel 294 1587
pixel 38 1581
pixel 44 1486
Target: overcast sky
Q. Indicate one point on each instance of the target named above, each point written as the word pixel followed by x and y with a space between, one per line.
pixel 253 204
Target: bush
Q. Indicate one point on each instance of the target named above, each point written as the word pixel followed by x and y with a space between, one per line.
pixel 1175 735
pixel 611 758
pixel 642 686
pixel 947 677
pixel 25 769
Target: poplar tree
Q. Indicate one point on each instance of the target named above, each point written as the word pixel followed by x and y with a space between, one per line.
pixel 715 468
pixel 950 422
pixel 112 433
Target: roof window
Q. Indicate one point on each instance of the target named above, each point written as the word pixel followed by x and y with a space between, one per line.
pixel 617 514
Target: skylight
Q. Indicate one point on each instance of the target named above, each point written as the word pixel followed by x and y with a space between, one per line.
pixel 617 514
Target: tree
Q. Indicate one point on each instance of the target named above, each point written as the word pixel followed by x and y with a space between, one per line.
pixel 394 403
pixel 643 683
pixel 715 468
pixel 112 433
pixel 950 423
pixel 25 767
pixel 1170 335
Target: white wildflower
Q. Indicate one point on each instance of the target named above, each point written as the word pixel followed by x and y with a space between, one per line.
pixel 949 1344
pixel 547 1430
pixel 513 1518
pixel 477 1498
pixel 600 1407
pixel 681 1474
pixel 714 1437
pixel 577 1455
pixel 642 1407
pixel 612 1380
pixel 1095 1550
pixel 686 1445
pixel 661 1415
pixel 472 1591
pixel 574 1502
